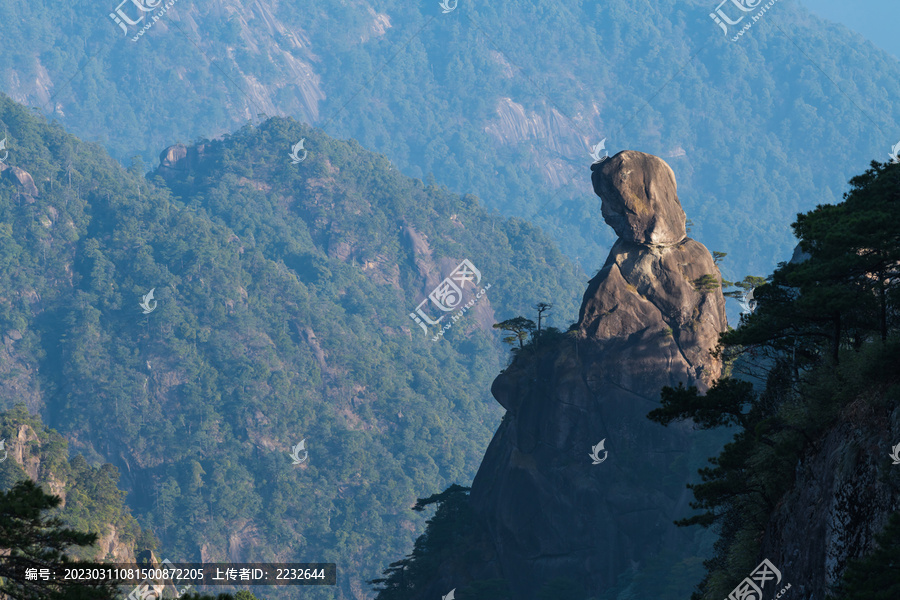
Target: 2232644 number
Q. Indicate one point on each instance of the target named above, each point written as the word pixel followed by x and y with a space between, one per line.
pixel 300 574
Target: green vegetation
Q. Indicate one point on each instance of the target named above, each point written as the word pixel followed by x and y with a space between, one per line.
pixel 707 283
pixel 451 536
pixel 93 502
pixel 824 336
pixel 519 328
pixel 30 538
pixel 284 293
pixel 748 283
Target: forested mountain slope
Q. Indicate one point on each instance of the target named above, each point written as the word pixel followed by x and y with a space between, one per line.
pixel 503 100
pixel 280 313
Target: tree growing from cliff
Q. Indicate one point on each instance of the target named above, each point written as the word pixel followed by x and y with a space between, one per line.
pixel 729 402
pixel 844 292
pixel 838 302
pixel 707 283
pixel 31 539
pixel 518 327
pixel 541 308
pixel 451 536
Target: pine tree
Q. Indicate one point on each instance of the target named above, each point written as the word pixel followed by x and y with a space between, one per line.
pixel 30 539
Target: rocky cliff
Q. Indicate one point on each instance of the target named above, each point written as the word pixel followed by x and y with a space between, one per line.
pixel 844 491
pixel 648 319
pixel 90 500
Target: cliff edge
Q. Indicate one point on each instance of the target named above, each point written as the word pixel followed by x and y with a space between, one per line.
pixel 649 318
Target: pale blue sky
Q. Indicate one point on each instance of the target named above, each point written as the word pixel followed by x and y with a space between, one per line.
pixel 878 20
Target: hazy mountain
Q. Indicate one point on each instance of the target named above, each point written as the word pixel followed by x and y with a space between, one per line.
pixel 877 21
pixel 503 101
pixel 280 312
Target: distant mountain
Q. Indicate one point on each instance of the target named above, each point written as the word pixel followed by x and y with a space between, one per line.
pixel 503 101
pixel 877 22
pixel 192 328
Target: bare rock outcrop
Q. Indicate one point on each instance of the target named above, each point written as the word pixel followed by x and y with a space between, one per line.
pixel 178 161
pixel 21 178
pixel 648 319
pixel 639 198
pixel 844 491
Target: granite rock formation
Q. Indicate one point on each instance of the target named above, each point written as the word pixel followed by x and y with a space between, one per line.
pixel 179 161
pixel 648 319
pixel 21 179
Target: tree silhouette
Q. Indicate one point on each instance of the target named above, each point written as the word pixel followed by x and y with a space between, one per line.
pixel 519 327
pixel 30 539
pixel 541 307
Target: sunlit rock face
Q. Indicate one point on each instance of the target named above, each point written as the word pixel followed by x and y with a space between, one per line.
pixel 648 319
pixel 21 179
pixel 639 198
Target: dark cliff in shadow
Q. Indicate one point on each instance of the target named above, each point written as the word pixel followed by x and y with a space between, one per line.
pixel 552 502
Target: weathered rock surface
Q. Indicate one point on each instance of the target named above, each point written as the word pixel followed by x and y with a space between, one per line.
pixel 639 198
pixel 21 179
pixel 645 323
pixel 178 161
pixel 845 489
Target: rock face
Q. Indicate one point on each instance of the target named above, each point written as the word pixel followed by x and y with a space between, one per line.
pixel 844 491
pixel 176 162
pixel 21 179
pixel 639 198
pixel 646 321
